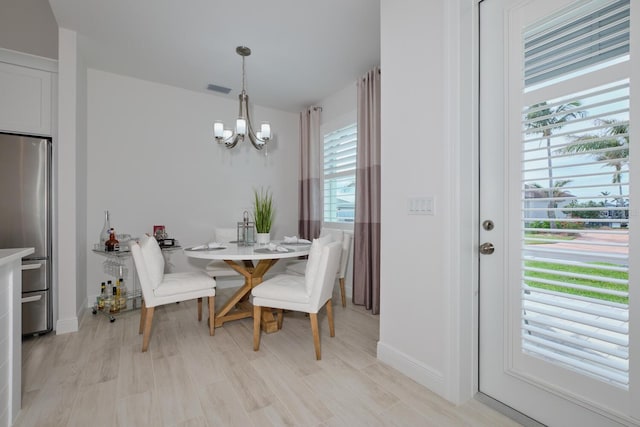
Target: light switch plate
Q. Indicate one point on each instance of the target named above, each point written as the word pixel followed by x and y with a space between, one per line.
pixel 422 205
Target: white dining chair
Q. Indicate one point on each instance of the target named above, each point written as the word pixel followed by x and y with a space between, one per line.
pixel 218 268
pixel 160 288
pixel 346 237
pixel 308 293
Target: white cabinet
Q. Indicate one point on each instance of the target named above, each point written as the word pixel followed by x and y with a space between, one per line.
pixel 25 99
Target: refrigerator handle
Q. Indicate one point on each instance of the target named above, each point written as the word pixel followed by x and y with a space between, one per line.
pixel 32 298
pixel 31 266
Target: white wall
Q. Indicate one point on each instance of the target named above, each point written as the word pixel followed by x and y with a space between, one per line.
pixel 29 26
pixel 81 181
pixel 426 315
pixel 67 178
pixel 151 160
pixel 340 109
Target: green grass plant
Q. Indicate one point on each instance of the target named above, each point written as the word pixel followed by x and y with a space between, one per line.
pixel 263 211
pixel 578 270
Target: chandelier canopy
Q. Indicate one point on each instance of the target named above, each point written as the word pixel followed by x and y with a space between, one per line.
pixel 243 126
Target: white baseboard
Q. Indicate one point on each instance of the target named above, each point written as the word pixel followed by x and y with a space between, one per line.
pixel 420 373
pixel 65 326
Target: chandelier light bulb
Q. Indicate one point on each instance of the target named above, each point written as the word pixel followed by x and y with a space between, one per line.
pixel 218 129
pixel 241 126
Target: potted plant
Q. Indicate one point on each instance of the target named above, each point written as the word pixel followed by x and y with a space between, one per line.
pixel 263 214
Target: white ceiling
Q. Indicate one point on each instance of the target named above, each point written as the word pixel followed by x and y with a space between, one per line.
pixel 302 50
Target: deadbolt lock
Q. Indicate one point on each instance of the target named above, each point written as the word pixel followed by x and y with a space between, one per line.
pixel 487 248
pixel 488 225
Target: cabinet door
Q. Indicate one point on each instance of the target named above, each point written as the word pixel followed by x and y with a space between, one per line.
pixel 25 104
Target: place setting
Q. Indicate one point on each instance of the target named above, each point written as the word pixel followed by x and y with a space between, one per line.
pixel 211 246
pixel 295 241
pixel 271 248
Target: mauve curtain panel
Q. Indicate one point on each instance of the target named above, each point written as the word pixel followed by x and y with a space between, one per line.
pixel 366 260
pixel 310 195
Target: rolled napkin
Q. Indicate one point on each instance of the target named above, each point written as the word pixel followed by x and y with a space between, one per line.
pixel 273 247
pixel 210 245
pixel 294 239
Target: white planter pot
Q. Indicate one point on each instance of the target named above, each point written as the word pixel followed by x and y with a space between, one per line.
pixel 263 238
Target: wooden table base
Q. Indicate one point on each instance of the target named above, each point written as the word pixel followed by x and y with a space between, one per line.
pixel 238 306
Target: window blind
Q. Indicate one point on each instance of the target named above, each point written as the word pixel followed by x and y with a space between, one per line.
pixel 340 174
pixel 585 40
pixel 575 199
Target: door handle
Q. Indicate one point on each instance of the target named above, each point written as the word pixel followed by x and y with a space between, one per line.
pixel 32 298
pixel 31 266
pixel 487 248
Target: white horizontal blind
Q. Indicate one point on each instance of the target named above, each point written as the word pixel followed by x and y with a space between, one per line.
pixel 575 202
pixel 340 174
pixel 564 46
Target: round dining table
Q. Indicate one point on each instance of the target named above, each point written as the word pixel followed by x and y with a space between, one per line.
pixel 252 262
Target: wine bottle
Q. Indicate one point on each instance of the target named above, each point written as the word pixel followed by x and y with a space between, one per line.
pixel 104 234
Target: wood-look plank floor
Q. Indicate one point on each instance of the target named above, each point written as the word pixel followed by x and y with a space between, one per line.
pixel 99 377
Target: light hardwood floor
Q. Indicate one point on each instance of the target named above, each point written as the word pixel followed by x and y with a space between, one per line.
pixel 99 377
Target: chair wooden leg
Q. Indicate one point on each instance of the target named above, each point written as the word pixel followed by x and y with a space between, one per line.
pixel 147 328
pixel 143 315
pixel 257 316
pixel 212 316
pixel 332 330
pixel 280 318
pixel 199 309
pixel 316 333
pixel 342 293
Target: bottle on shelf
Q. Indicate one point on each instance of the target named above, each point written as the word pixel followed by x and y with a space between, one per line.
pixel 115 308
pixel 103 296
pixel 104 234
pixel 123 295
pixel 112 244
pixel 108 298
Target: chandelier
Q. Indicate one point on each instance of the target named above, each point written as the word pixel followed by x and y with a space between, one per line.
pixel 243 126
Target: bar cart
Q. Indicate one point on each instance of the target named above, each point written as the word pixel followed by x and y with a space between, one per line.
pixel 127 298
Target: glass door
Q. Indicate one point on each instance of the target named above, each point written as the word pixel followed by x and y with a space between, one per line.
pixel 556 260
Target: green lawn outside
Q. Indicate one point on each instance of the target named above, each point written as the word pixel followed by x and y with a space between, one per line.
pixel 578 281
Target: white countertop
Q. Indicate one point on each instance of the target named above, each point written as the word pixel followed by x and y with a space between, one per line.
pixel 10 255
pixel 11 333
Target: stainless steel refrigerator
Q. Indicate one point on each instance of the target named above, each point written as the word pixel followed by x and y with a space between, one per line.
pixel 25 221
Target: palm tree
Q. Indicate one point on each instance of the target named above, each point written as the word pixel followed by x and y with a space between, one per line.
pixel 612 146
pixel 543 119
pixel 556 195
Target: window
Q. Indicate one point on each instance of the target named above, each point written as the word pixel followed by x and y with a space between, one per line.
pixel 575 185
pixel 340 174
